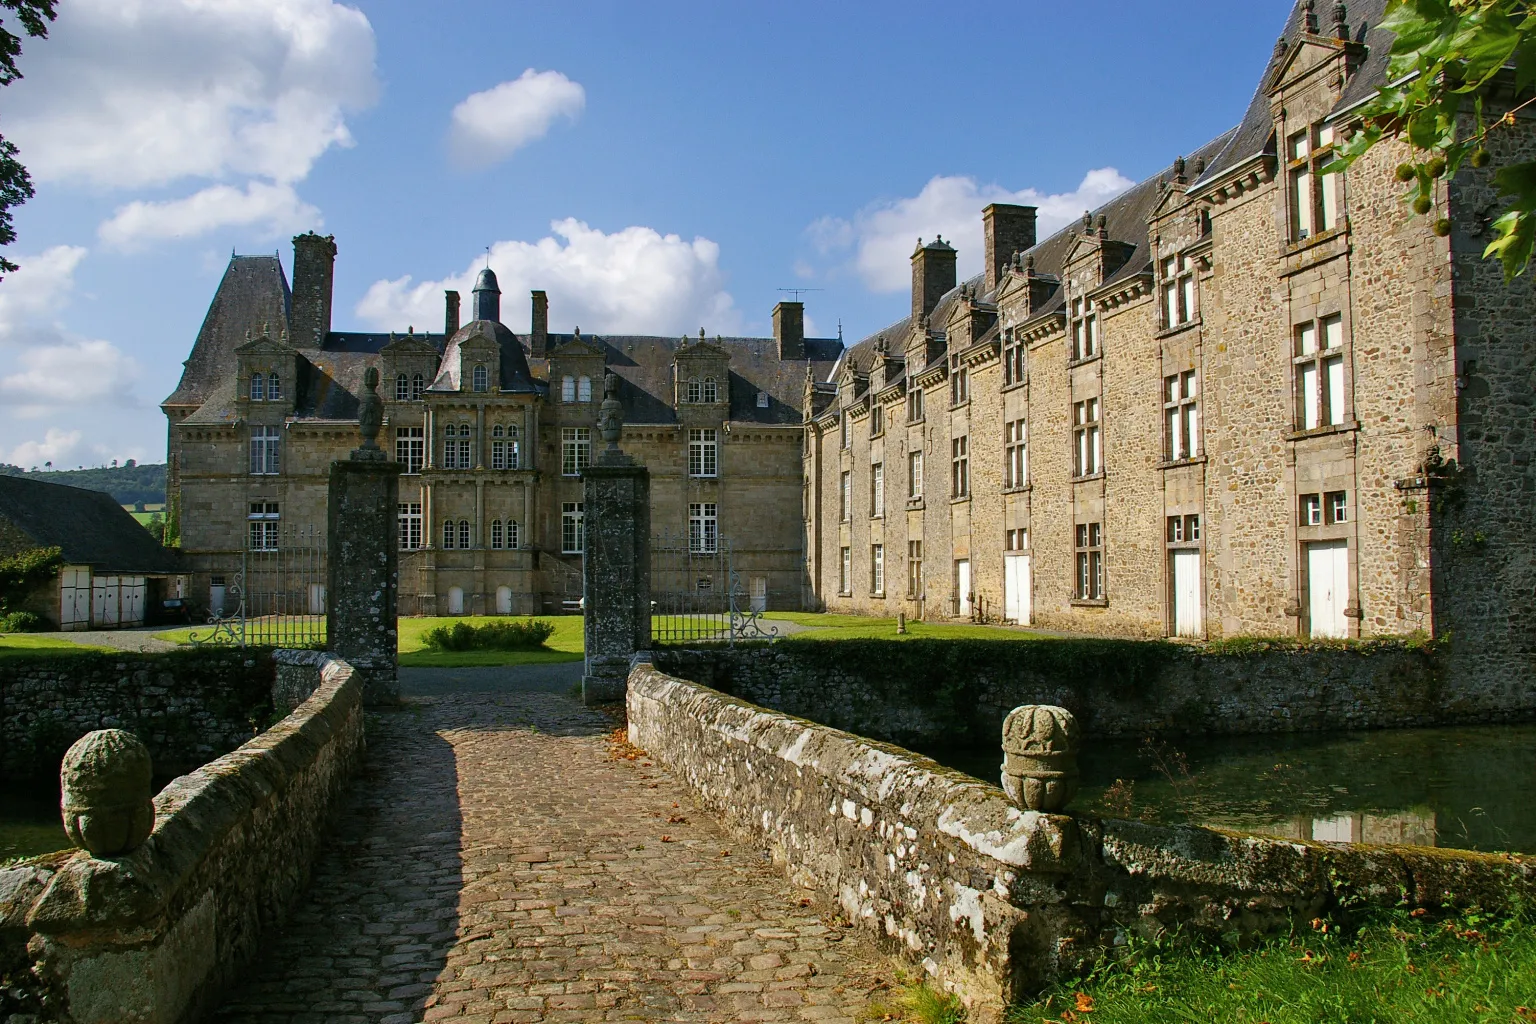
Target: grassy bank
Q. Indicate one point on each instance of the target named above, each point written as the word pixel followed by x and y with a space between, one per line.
pixel 1397 968
pixel 28 644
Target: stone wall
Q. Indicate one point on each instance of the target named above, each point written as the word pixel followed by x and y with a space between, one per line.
pixel 993 901
pixel 187 706
pixel 929 694
pixel 155 936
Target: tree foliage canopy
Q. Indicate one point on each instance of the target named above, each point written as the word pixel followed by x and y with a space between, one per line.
pixel 24 571
pixel 15 182
pixel 1446 53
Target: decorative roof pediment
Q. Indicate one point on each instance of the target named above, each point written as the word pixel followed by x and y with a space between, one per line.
pixel 408 345
pixel 265 346
pixel 701 349
pixel 577 348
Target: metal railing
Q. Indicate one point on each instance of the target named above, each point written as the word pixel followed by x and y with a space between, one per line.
pixel 278 594
pixel 696 593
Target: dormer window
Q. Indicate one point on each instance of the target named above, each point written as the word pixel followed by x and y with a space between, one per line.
pixel 481 377
pixel 694 392
pixel 1013 359
pixel 710 392
pixel 1315 198
pixel 1085 330
pixel 418 384
pixel 274 388
pixel 568 389
pixel 1178 291
pixel 584 389
pixel 258 387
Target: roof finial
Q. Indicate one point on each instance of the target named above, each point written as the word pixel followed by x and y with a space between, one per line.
pixel 1178 169
pixel 487 257
pixel 701 334
pixel 1309 16
pixel 576 334
pixel 839 330
pixel 1103 225
pixel 1029 264
pixel 1280 48
pixel 1087 221
pixel 1340 22
pixel 410 328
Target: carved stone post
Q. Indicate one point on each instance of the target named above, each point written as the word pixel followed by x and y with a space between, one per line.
pixel 106 790
pixel 1040 745
pixel 616 567
pixel 363 563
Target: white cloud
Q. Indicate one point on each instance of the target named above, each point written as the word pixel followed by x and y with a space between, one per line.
pixel 57 446
pixel 69 372
pixel 884 234
pixel 635 280
pixel 490 126
pixel 270 209
pixel 134 93
pixel 39 289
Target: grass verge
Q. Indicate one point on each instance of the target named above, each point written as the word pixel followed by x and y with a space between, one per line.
pixel 1397 968
pixel 29 644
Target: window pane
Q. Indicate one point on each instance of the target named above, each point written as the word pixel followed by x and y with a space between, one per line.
pixel 1328 187
pixel 1335 370
pixel 1333 332
pixel 1306 339
pixel 1306 384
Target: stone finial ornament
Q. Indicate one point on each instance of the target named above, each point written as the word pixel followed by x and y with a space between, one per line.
pixel 610 415
pixel 107 801
pixel 370 416
pixel 1040 745
pixel 1309 16
pixel 1340 22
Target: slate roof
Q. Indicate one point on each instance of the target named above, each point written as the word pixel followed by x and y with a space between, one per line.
pixel 89 526
pixel 515 375
pixel 643 364
pixel 253 291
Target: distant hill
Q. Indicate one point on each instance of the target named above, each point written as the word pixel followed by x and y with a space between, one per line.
pixel 129 483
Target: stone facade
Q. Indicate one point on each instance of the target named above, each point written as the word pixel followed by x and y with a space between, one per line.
pixel 491 431
pixel 1245 397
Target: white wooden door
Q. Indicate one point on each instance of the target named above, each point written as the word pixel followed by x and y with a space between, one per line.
pixel 963 586
pixel 216 592
pixel 74 598
pixel 132 601
pixel 1016 589
pixel 1328 588
pixel 503 600
pixel 317 599
pixel 104 598
pixel 1188 615
pixel 759 593
pixel 455 600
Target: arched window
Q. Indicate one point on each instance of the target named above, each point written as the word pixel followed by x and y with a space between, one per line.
pixel 448 533
pixel 496 534
pixel 402 388
pixel 694 394
pixel 568 389
pixel 482 377
pixel 710 393
pixel 258 387
pixel 584 389
pixel 498 431
pixel 463 533
pixel 417 385
pixel 514 535
pixel 274 387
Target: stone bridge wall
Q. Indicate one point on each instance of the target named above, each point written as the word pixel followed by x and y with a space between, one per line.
pixel 155 936
pixel 187 706
pixel 930 694
pixel 994 901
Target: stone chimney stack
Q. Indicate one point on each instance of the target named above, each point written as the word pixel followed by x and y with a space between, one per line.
pixel 314 270
pixel 933 274
pixel 789 329
pixel 450 314
pixel 539 326
pixel 1008 229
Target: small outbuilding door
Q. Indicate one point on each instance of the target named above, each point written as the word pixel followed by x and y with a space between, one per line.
pixel 74 597
pixel 963 588
pixel 503 600
pixel 455 600
pixel 1328 588
pixel 131 600
pixel 104 598
pixel 759 593
pixel 1188 615
pixel 1016 589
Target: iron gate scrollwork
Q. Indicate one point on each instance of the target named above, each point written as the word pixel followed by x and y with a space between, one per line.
pixel 278 592
pixel 696 593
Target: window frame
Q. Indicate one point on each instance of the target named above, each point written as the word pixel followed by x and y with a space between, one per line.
pixel 914 569
pixel 1088 546
pixel 703 527
pixel 1015 360
pixel 845 492
pixel 480 378
pixel 960 466
pixel 411 449
pixel 703 453
pixel 573 532
pixel 265 450
pixel 1179 294
pixel 877 490
pixel 264 526
pixel 915 411
pixel 1320 373
pixel 877 570
pixel 584 389
pixel 1308 190
pixel 409 525
pixel 1087 438
pixel 1083 329
pixel 575 450
pixel 1015 454
pixel 1181 416
pixel 915 474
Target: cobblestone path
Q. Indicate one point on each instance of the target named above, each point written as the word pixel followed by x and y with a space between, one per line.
pixel 497 863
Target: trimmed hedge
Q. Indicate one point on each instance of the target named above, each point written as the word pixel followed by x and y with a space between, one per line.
pixel 493 636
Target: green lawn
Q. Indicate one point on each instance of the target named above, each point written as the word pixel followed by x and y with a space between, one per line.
pixel 565 645
pixel 1397 969
pixel 865 627
pixel 13 644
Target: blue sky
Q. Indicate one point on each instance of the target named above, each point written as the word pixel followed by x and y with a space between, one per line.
pixel 656 167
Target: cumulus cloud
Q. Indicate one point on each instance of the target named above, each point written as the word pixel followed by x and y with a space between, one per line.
pixel 883 235
pixel 134 93
pixel 490 126
pixel 271 210
pixel 69 372
pixel 636 280
pixel 39 290
pixel 57 446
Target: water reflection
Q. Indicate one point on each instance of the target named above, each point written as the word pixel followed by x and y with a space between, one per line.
pixel 29 821
pixel 1468 788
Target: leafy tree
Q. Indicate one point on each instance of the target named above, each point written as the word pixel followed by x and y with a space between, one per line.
pixel 24 572
pixel 15 182
pixel 1445 53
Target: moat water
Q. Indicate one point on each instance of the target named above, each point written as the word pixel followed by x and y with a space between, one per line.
pixel 1467 788
pixel 29 820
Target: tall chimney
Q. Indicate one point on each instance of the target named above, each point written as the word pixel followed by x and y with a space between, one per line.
pixel 314 269
pixel 789 329
pixel 450 314
pixel 933 274
pixel 1008 229
pixel 539 325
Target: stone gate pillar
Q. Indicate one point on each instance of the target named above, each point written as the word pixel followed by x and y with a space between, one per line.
pixel 616 568
pixel 363 562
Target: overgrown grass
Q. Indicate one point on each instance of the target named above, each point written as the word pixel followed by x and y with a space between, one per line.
pixel 29 644
pixel 1398 968
pixel 564 644
pixel 917 1004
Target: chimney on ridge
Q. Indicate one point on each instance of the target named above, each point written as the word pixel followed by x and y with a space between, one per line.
pixel 789 329
pixel 314 269
pixel 933 274
pixel 538 331
pixel 1008 229
pixel 450 314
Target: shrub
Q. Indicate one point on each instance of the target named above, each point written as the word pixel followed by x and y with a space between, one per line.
pixel 20 622
pixel 493 636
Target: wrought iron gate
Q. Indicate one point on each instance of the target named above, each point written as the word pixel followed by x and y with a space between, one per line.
pixel 278 592
pixel 697 594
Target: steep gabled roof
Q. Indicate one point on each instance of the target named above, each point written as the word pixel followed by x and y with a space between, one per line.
pixel 89 526
pixel 253 291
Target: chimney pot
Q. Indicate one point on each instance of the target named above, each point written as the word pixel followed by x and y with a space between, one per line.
pixel 539 326
pixel 314 270
pixel 789 329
